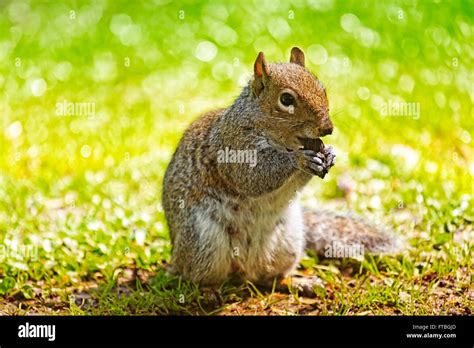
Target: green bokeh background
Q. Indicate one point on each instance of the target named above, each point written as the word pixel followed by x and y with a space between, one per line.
pixel 85 191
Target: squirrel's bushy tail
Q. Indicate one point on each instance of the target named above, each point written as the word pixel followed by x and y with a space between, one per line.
pixel 333 234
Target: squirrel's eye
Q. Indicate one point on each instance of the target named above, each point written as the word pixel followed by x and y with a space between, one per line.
pixel 287 99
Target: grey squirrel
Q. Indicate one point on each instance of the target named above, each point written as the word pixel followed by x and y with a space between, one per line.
pixel 230 192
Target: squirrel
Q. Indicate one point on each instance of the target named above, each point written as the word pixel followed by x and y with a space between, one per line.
pixel 230 191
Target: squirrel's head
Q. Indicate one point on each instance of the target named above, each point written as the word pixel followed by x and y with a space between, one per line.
pixel 293 101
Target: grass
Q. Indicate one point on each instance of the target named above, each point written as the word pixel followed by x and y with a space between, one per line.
pixel 82 229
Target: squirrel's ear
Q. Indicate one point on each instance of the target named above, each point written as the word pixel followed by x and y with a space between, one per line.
pixel 297 56
pixel 260 67
pixel 261 73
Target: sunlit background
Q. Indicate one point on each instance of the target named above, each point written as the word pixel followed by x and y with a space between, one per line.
pixel 94 96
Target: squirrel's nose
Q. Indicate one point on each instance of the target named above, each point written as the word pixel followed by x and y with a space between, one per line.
pixel 326 130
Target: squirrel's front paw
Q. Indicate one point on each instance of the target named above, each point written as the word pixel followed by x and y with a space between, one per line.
pixel 316 163
pixel 329 155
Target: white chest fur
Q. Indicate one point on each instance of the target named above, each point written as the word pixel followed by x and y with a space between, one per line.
pixel 266 237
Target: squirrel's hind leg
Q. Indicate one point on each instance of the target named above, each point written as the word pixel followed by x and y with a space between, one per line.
pixel 201 252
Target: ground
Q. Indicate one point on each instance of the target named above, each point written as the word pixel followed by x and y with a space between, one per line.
pixel 94 99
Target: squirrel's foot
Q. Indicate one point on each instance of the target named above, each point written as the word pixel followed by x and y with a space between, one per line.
pixel 317 163
pixel 303 285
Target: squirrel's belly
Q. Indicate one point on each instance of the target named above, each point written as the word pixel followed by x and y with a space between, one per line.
pixel 265 243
